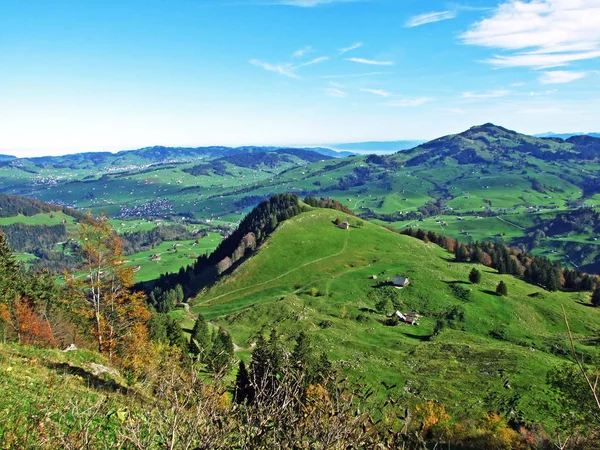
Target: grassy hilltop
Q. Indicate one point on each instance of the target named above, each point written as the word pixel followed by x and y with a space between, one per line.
pixel 493 354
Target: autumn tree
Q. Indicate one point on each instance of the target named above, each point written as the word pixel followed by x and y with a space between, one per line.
pixel 104 293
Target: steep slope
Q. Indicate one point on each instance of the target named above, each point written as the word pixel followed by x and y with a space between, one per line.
pixel 493 354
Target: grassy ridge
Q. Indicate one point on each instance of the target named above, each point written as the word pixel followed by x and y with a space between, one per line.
pixel 499 354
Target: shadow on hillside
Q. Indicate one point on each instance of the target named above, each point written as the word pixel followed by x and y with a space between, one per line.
pixel 91 380
pixel 417 336
pixel 368 310
pixel 487 291
pixel 589 305
pixel 457 282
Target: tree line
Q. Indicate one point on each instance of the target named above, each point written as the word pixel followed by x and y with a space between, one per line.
pixel 537 270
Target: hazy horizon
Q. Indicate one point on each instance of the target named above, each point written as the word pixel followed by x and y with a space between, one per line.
pixel 113 75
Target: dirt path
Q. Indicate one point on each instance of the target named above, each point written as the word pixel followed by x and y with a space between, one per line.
pixel 282 275
pixel 510 223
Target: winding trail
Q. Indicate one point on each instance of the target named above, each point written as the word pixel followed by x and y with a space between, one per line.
pixel 282 275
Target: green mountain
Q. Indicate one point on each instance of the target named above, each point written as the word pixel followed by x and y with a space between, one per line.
pixel 486 183
pixel 473 350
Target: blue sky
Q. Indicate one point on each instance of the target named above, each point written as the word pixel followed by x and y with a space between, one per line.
pixel 109 75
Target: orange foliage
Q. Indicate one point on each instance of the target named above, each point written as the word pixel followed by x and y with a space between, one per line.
pixel 31 328
pixel 433 416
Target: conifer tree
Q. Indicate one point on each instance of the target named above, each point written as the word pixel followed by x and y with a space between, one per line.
pixel 200 338
pixel 502 289
pixel 475 276
pixel 244 391
pixel 221 352
pixel 595 300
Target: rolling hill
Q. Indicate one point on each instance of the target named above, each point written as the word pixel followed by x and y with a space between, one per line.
pixel 492 354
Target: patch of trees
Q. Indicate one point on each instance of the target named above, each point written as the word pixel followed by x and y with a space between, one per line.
pixel 165 301
pixel 29 238
pixel 254 229
pixel 393 217
pixel 511 260
pixel 13 205
pixel 143 240
pixel 327 203
pixel 359 177
pixel 469 156
pixel 217 167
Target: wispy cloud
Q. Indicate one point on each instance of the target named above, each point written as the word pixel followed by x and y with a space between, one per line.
pixel 349 49
pixel 560 76
pixel 336 85
pixel 541 33
pixel 286 69
pixel 335 92
pixel 518 84
pixel 490 94
pixel 379 92
pixel 409 102
pixel 312 61
pixel 370 62
pixel 283 69
pixel 356 75
pixel 431 17
pixel 303 51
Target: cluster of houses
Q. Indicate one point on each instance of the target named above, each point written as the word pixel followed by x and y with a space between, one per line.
pixel 410 318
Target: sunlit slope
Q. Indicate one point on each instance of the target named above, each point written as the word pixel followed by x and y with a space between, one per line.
pixel 314 276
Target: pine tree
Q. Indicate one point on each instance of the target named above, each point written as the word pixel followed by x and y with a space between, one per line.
pixel 244 391
pixel 595 300
pixel 221 352
pixel 200 338
pixel 501 289
pixel 302 354
pixel 475 276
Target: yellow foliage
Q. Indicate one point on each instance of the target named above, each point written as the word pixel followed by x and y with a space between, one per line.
pixel 432 414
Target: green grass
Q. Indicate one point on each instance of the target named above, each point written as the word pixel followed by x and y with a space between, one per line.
pixel 465 367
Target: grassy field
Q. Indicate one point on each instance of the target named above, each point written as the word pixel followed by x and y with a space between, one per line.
pixel 313 276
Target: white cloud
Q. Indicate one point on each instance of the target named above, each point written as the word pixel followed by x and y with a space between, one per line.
pixel 283 69
pixel 431 17
pixel 379 92
pixel 370 62
pixel 334 92
pixel 408 102
pixel 336 85
pixel 312 61
pixel 349 49
pixel 518 84
pixel 286 69
pixel 560 76
pixel 490 94
pixel 540 33
pixel 303 51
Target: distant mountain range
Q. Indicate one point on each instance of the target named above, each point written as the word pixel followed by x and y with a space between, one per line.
pixel 566 135
pixel 376 146
pixel 163 155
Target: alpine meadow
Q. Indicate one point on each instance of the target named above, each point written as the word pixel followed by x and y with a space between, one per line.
pixel 300 224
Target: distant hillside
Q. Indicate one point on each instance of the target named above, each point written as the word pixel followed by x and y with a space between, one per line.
pixel 377 146
pixel 14 205
pixel 567 135
pixel 148 156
